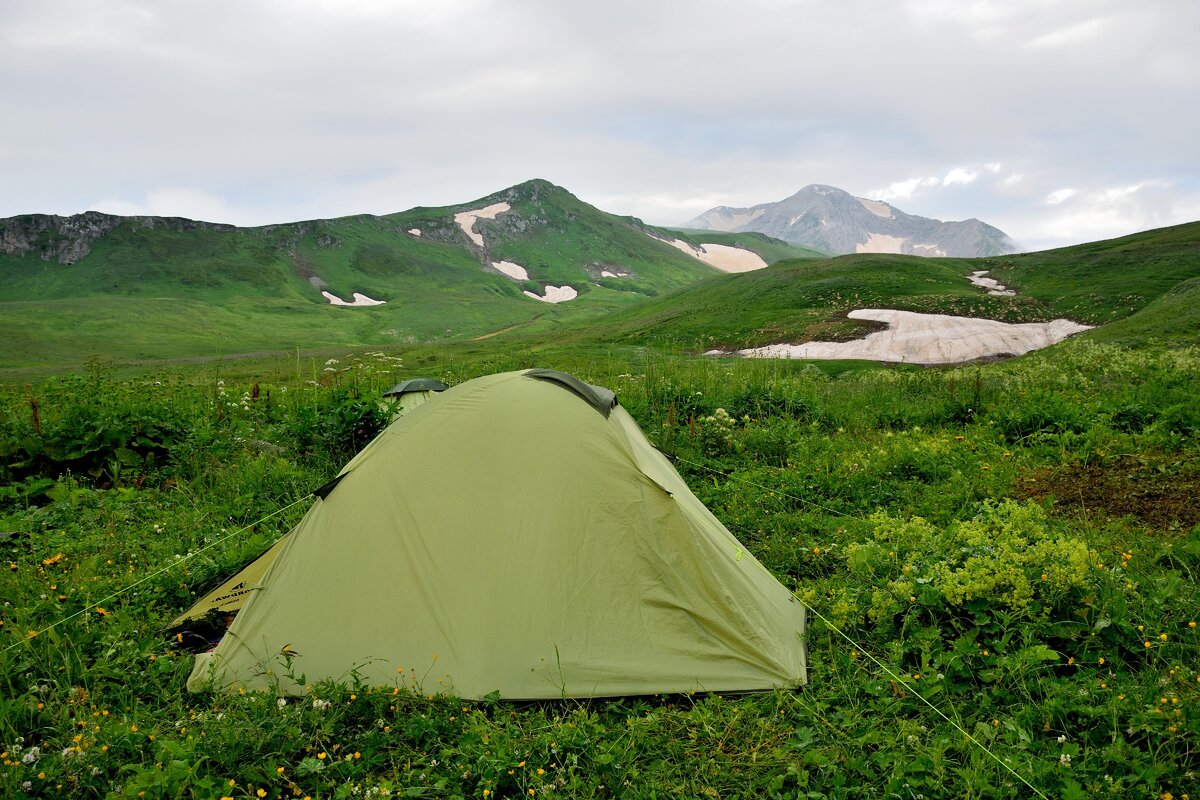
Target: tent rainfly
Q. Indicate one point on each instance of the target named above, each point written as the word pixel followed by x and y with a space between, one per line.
pixel 230 595
pixel 519 536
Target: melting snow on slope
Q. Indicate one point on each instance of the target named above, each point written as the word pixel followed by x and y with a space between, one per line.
pixel 514 271
pixel 721 256
pixel 555 294
pixel 414 231
pixel 881 243
pixel 359 300
pixel 993 286
pixel 876 207
pixel 928 339
pixel 466 220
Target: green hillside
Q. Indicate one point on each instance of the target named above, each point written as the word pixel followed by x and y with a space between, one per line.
pixel 169 288
pixel 1144 282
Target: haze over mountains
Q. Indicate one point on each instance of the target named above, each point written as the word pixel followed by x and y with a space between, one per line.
pixel 830 219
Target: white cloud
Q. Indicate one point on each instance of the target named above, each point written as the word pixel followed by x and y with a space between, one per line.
pixel 959 175
pixel 1059 196
pixel 173 202
pixel 904 190
pixel 1070 36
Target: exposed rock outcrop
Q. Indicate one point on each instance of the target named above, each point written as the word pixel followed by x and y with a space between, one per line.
pixel 70 239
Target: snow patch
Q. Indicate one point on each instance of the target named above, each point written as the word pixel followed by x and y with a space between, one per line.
pixel 555 294
pixel 606 274
pixel 466 220
pixel 721 256
pixel 359 300
pixel 928 339
pixel 993 286
pixel 876 207
pixel 414 231
pixel 881 243
pixel 929 250
pixel 514 271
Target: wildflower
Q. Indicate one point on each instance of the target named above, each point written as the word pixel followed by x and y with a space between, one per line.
pixel 31 755
pixel 1062 739
pixel 101 611
pixel 1192 624
pixel 1065 759
pixel 1162 636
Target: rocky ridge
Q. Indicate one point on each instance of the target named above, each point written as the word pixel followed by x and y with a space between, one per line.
pixel 69 239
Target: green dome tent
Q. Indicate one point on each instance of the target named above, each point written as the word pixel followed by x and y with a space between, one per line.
pixel 520 536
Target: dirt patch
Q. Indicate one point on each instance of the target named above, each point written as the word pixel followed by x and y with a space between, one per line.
pixel 1159 490
pixel 843 329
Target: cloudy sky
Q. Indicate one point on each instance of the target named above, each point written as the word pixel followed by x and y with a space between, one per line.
pixel 1059 121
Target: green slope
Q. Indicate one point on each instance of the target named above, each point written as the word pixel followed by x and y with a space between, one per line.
pixel 1104 281
pixel 173 288
pixel 1146 281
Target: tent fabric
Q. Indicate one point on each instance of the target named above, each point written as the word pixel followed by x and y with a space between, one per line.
pixel 507 538
pixel 230 595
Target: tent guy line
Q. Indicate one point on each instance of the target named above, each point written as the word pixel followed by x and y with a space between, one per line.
pixel 858 647
pixel 900 682
pixel 168 568
pixel 781 493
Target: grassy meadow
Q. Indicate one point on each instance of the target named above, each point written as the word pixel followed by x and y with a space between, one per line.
pixel 1002 559
pixel 1015 545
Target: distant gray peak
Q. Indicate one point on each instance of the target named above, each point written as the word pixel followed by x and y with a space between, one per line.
pixel 831 219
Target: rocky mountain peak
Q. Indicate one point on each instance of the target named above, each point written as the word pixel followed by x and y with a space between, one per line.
pixel 831 219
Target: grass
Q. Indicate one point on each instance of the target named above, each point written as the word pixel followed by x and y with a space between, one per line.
pixel 947 521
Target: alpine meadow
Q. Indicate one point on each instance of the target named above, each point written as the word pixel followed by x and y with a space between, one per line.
pixel 999 559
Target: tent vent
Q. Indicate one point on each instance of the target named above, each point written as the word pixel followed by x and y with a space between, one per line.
pixel 416 385
pixel 599 398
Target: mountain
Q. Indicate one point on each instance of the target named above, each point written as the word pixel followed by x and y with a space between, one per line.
pixel 155 287
pixel 830 219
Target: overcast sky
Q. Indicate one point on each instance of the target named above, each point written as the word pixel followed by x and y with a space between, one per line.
pixel 1058 121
